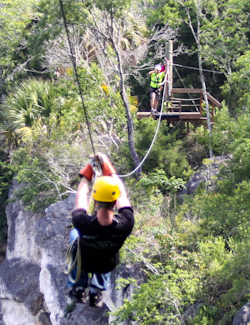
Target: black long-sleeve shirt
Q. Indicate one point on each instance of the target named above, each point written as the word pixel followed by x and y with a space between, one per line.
pixel 100 244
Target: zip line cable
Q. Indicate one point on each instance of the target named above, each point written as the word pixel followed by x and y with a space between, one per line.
pixel 193 68
pixel 143 98
pixel 76 74
pixel 155 135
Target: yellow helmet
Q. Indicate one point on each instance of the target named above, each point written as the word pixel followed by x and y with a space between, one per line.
pixel 105 189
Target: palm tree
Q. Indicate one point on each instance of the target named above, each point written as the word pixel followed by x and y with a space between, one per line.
pixel 33 101
pixel 29 107
pixel 8 137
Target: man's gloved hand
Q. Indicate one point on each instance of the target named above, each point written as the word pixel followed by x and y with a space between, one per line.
pixel 107 168
pixel 87 171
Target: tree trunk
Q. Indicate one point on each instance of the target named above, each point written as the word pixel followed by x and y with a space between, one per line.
pixel 207 109
pixel 203 84
pixel 196 35
pixel 130 130
pixel 1 85
pixel 130 125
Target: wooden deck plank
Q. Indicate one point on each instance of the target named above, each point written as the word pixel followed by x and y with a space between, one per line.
pixel 141 115
pixel 181 115
pixel 190 115
pixel 173 116
pixel 186 91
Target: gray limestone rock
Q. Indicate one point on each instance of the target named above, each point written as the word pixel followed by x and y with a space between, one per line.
pixel 205 175
pixel 243 316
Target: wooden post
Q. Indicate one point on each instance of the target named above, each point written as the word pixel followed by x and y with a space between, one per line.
pixel 201 102
pixel 169 56
pixel 213 112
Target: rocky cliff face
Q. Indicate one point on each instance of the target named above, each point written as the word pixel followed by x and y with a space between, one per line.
pixel 32 283
pixel 206 175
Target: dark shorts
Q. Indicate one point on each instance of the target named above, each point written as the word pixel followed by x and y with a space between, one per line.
pixel 156 91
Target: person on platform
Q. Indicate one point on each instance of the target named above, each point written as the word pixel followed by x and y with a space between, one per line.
pixel 156 85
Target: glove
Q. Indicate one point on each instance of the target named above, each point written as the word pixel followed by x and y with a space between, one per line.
pixel 107 168
pixel 87 171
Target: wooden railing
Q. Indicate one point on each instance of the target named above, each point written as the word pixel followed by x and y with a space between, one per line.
pixel 188 103
pixel 185 109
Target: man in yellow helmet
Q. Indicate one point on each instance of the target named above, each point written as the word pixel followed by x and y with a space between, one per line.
pixel 103 234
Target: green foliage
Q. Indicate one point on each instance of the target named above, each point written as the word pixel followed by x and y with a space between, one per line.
pixel 44 119
pixel 113 7
pixel 167 152
pixel 170 12
pixel 161 299
pixel 6 175
pixel 240 160
pixel 32 102
pixel 225 35
pixel 123 283
pixel 223 131
pixel 15 16
pixel 214 255
pixel 41 185
pixel 196 148
pixel 103 105
pixel 206 315
pixel 236 89
pixel 49 169
pixel 158 181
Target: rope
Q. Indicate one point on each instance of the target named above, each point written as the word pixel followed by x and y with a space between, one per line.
pixel 70 264
pixel 193 68
pixel 76 74
pixel 143 98
pixel 97 173
pixel 155 135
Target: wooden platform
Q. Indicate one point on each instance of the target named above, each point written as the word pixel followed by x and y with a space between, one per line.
pixel 187 109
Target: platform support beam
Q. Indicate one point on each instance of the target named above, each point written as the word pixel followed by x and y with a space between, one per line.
pixel 169 56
